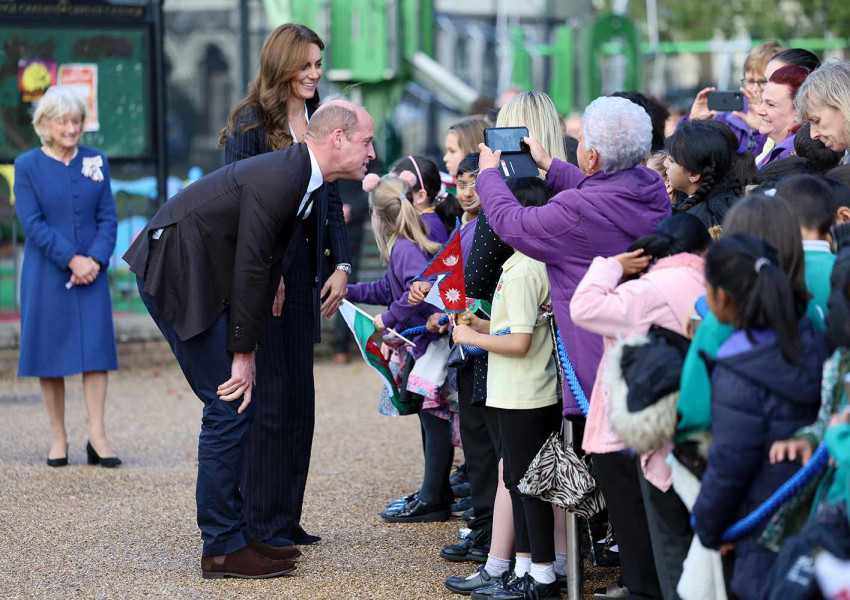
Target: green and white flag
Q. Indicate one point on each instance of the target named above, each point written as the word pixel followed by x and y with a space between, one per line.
pixel 363 329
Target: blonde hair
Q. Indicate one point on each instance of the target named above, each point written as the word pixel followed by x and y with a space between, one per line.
pixel 760 55
pixel 470 133
pixel 828 85
pixel 536 111
pixel 393 215
pixel 58 102
pixel 285 51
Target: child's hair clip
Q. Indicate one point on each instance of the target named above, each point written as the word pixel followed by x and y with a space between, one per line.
pixel 370 182
pixel 408 177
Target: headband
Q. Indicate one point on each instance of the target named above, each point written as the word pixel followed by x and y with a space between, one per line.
pixel 418 172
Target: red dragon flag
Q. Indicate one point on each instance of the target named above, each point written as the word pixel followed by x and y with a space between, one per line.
pixel 449 261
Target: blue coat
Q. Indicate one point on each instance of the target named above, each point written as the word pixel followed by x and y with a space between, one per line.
pixel 757 398
pixel 63 213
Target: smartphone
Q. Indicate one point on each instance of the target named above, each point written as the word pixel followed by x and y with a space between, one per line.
pixel 506 139
pixel 726 101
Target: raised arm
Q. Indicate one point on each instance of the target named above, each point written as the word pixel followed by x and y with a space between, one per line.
pixel 563 176
pixel 600 306
pixel 540 232
pixel 58 249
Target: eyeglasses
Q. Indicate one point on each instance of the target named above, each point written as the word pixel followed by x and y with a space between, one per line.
pixel 466 186
pixel 754 82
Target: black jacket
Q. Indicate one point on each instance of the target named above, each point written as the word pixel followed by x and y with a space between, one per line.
pixel 325 227
pixel 222 245
pixel 712 209
pixel 757 398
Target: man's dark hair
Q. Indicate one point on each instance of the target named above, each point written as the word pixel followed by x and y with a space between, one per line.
pixel 810 200
pixel 818 154
pixel 529 191
pixel 771 174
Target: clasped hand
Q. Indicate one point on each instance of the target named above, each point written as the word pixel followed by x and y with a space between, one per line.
pixel 242 376
pixel 84 270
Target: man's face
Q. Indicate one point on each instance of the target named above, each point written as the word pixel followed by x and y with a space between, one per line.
pixel 356 152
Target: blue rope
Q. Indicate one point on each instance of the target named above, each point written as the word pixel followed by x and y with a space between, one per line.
pixel 800 479
pixel 471 350
pixel 570 374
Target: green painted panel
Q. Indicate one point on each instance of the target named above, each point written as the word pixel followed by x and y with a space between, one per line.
pixel 123 89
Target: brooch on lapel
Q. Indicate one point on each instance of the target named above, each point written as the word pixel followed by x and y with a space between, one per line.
pixel 91 167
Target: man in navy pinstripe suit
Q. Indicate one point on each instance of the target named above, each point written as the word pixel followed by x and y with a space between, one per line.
pixel 207 267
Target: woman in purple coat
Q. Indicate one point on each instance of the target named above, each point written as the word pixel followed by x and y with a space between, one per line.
pixel 598 209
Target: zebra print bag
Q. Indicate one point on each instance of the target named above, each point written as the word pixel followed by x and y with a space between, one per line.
pixel 557 475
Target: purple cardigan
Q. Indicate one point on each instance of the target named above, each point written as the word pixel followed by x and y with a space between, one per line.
pixel 783 149
pixel 407 261
pixel 436 229
pixel 599 215
pixel 467 235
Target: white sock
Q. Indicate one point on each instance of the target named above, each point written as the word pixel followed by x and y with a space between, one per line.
pixel 522 565
pixel 560 563
pixel 495 566
pixel 543 573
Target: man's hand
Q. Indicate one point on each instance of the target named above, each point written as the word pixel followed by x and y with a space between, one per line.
pixel 418 291
pixel 83 270
pixel 538 153
pixel 433 324
pixel 279 297
pixel 750 117
pixel 487 159
pixel 699 109
pixel 336 288
pixel 633 262
pixel 464 334
pixel 789 450
pixel 378 322
pixel 242 373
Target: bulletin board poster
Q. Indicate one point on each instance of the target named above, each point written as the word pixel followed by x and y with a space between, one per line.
pixel 82 78
pixel 34 77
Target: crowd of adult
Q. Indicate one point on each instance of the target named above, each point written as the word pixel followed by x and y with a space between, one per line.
pixel 717 250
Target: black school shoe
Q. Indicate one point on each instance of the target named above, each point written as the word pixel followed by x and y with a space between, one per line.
pixel 527 588
pixel 461 506
pixel 466 585
pixel 402 500
pixel 461 490
pixel 417 511
pixel 506 581
pixel 466 550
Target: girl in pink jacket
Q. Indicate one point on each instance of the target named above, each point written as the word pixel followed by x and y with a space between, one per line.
pixel 664 295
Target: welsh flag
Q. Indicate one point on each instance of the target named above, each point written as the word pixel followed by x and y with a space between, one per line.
pixel 449 261
pixel 363 329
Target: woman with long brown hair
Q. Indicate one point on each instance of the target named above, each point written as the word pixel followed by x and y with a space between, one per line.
pixel 273 115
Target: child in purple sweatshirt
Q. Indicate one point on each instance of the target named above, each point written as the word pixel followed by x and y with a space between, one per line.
pixel 420 371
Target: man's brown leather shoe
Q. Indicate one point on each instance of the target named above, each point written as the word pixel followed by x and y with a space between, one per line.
pixel 244 564
pixel 282 553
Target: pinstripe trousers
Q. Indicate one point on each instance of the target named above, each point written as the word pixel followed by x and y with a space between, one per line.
pixel 280 439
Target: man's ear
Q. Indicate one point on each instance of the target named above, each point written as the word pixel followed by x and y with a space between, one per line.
pixel 338 134
pixel 842 215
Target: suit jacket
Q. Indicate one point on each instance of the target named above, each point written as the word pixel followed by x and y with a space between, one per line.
pixel 325 227
pixel 223 244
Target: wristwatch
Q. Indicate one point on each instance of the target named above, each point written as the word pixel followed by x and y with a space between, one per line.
pixel 343 267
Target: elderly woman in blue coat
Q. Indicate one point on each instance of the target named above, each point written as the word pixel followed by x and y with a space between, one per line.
pixel 65 206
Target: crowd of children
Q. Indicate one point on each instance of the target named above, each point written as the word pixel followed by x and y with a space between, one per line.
pixel 698 299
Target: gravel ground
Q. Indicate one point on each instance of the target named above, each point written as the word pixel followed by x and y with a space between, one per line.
pixel 88 532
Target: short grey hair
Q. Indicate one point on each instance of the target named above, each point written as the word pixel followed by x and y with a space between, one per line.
pixel 333 115
pixel 619 130
pixel 58 102
pixel 827 85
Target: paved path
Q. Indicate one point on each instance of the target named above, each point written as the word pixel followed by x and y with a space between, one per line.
pixel 88 532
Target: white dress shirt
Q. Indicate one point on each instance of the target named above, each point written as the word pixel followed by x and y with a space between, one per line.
pixel 306 207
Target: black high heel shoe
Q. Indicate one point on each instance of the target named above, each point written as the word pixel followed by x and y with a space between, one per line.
pixel 95 459
pixel 58 462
